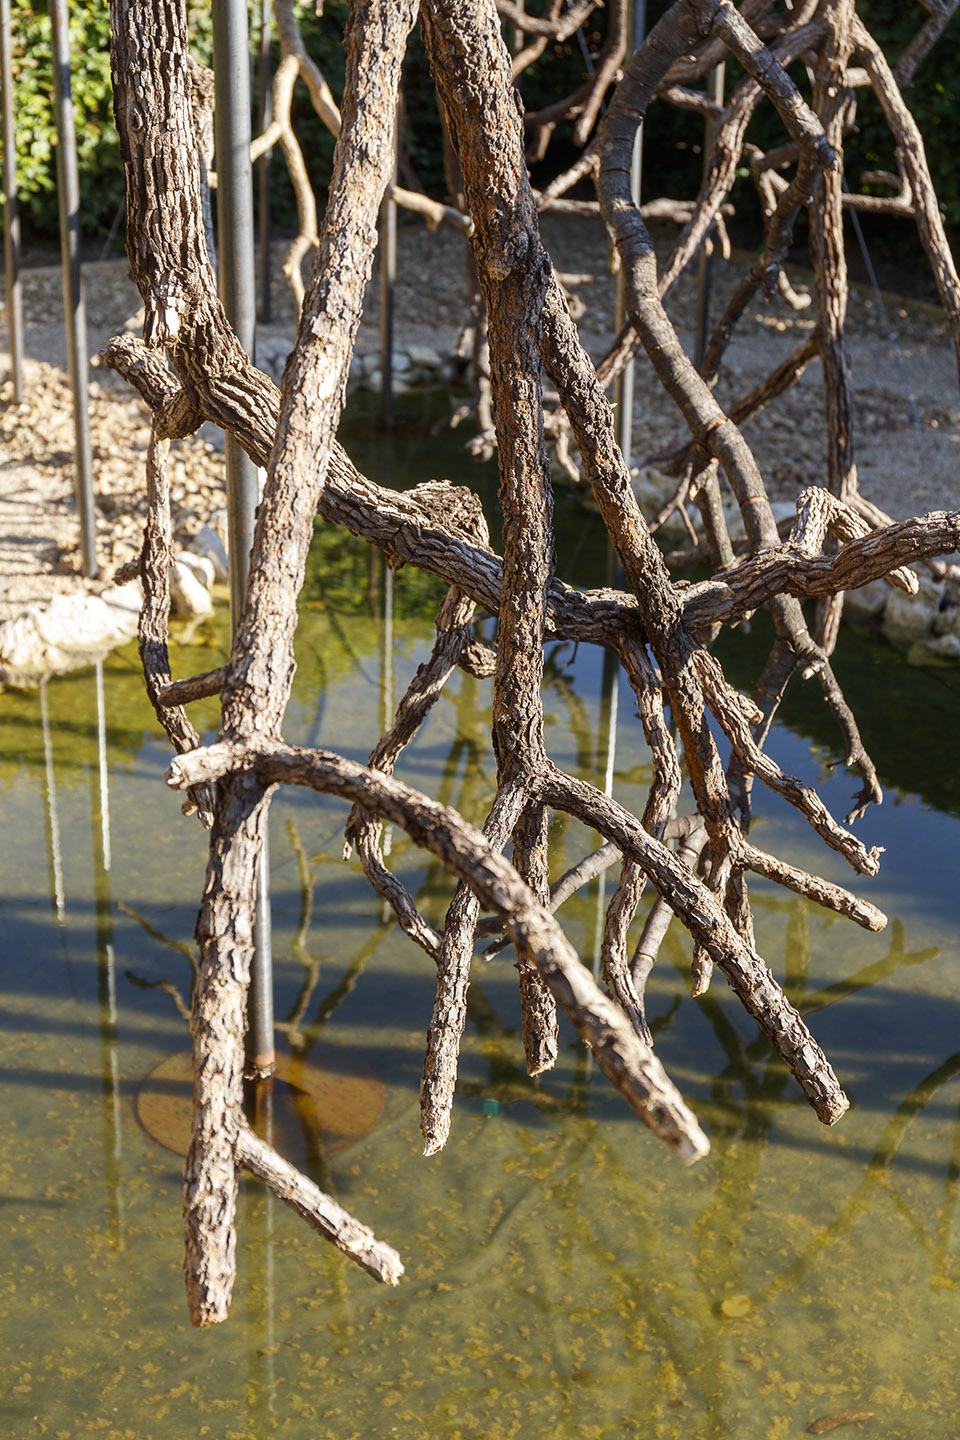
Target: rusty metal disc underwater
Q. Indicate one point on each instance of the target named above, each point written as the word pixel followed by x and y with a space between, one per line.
pixel 319 1106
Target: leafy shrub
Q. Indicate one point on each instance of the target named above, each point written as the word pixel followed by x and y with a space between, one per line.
pixel 671 166
pixel 98 148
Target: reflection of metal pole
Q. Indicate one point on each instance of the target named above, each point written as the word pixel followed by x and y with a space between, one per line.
pixel 11 224
pixel 264 166
pixel 68 195
pixel 102 757
pixel 236 270
pixel 387 842
pixel 106 968
pixel 623 386
pixel 238 292
pixel 53 817
pixel 387 647
pixel 388 281
pixel 609 708
pixel 705 259
pixel 263 1347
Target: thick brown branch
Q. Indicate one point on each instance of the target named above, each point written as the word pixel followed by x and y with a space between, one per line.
pixel 785 570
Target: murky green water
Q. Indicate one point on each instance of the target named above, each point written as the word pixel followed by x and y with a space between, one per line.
pixel 565 1276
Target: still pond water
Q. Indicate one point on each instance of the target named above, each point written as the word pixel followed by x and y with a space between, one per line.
pixel 565 1276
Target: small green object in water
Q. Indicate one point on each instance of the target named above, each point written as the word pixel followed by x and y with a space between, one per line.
pixel 491 1107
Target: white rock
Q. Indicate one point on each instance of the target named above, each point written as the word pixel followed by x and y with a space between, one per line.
pixel 402 364
pixel 907 617
pixel 947 621
pixel 208 545
pixel 73 630
pixel 201 565
pixel 189 599
pixel 425 356
pixel 935 650
pixel 868 602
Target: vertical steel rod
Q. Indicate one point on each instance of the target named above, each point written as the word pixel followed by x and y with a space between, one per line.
pixel 263 168
pixel 231 63
pixel 705 260
pixel 68 195
pixel 53 815
pixel 623 386
pixel 106 966
pixel 607 736
pixel 388 281
pixel 11 223
pixel 386 842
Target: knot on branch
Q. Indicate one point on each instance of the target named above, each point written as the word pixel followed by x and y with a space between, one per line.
pixel 144 367
pixel 454 507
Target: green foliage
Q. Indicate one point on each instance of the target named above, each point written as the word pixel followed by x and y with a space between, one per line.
pixel 672 161
pixel 98 148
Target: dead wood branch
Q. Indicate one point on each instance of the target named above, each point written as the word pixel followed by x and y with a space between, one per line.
pixel 627 1063
pixel 320 1211
pixel 190 368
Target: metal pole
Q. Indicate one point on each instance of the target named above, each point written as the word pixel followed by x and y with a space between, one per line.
pixel 266 111
pixel 388 279
pixel 623 386
pixel 53 816
pixel 68 196
pixel 11 225
pixel 106 968
pixel 386 842
pixel 607 727
pixel 705 260
pixel 231 63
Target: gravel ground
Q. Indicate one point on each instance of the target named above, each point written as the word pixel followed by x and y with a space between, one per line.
pixel 906 400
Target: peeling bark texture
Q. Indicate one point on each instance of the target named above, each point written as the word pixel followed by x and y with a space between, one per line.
pixel 155 561
pixel 189 368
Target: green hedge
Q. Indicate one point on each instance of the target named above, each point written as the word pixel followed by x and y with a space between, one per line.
pixel 98 148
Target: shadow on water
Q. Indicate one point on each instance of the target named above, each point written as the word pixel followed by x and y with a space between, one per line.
pixel 565 1277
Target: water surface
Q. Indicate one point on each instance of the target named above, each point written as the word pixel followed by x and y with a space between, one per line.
pixel 565 1276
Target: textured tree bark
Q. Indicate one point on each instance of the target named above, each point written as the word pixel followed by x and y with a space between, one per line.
pixel 150 71
pixel 471 68
pixel 190 368
pixel 833 102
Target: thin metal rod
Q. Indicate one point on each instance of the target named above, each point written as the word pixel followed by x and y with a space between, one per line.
pixel 231 64
pixel 386 843
pixel 607 732
pixel 11 226
pixel 53 814
pixel 623 385
pixel 106 967
pixel 68 196
pixel 388 281
pixel 263 167
pixel 261 1052
pixel 705 258
pixel 236 256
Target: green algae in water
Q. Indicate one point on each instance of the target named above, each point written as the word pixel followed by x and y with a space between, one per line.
pixel 565 1277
